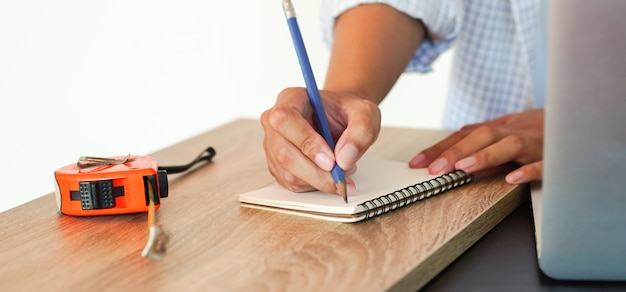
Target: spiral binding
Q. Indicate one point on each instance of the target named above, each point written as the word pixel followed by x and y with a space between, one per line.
pixel 414 193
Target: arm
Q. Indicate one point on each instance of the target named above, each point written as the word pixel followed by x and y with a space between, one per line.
pixel 373 45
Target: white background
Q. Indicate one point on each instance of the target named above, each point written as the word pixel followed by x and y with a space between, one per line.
pixel 108 78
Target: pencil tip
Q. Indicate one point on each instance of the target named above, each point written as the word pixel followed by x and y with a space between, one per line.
pixel 343 190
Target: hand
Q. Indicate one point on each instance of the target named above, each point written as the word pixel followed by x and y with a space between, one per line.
pixel 516 137
pixel 298 156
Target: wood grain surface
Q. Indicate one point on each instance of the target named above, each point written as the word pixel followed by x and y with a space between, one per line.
pixel 218 246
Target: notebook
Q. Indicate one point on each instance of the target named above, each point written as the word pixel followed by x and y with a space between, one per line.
pixel 382 186
pixel 580 208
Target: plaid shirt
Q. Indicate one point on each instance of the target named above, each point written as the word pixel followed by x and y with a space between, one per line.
pixel 494 51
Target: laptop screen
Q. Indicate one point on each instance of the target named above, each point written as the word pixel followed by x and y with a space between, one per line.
pixel 583 214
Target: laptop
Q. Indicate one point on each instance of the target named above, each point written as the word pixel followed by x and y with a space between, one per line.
pixel 580 207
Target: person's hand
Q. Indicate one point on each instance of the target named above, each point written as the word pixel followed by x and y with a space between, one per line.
pixel 298 156
pixel 515 137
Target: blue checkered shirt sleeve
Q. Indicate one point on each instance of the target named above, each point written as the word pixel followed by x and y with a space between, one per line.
pixel 494 52
pixel 440 17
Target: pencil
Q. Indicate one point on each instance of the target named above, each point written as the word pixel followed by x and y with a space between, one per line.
pixel 313 93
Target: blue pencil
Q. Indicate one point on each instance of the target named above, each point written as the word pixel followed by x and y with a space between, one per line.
pixel 312 91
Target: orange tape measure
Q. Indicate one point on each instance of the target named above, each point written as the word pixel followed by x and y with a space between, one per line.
pixel 116 185
pixel 109 189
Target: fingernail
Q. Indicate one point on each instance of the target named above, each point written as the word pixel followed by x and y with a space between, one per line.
pixel 347 156
pixel 514 177
pixel 438 165
pixel 324 161
pixel 417 160
pixel 466 163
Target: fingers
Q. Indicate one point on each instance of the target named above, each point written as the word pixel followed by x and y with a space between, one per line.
pixel 514 138
pixel 289 136
pixel 361 132
pixel 427 156
pixel 288 164
pixel 441 157
pixel 525 148
pixel 498 153
pixel 288 180
pixel 298 157
pixel 527 173
pixel 291 118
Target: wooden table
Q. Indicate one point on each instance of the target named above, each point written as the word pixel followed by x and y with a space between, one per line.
pixel 217 245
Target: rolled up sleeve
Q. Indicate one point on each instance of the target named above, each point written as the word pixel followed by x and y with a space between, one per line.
pixel 440 17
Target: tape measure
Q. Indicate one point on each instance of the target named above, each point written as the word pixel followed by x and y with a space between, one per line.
pixel 114 185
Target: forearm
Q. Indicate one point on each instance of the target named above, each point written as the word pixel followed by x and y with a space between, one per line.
pixel 372 46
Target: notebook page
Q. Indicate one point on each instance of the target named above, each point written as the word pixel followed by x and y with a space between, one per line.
pixel 375 177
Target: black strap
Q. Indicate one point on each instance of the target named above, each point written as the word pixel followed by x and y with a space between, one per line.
pixel 205 155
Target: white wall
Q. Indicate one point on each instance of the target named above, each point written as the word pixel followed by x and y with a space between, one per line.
pixel 132 76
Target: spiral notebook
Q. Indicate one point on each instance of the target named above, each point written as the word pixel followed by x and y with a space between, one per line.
pixel 382 186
